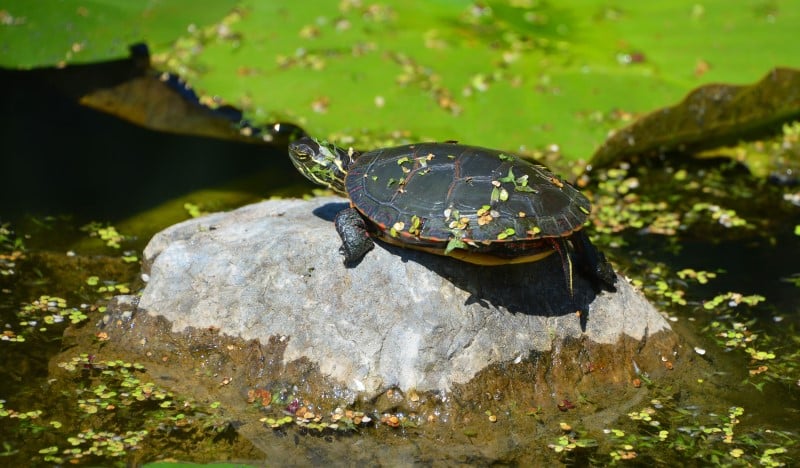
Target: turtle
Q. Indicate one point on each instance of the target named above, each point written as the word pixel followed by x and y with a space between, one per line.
pixel 475 204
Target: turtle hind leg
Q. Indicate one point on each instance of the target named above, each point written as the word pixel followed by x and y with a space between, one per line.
pixel 353 230
pixel 593 263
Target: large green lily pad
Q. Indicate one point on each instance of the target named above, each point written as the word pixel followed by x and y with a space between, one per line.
pixel 516 74
pixel 513 74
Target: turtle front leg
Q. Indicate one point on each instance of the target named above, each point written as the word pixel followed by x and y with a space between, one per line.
pixel 353 230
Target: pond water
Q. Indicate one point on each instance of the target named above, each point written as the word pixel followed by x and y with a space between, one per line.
pixel 70 173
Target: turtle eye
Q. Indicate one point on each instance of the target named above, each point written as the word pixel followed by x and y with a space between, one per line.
pixel 302 152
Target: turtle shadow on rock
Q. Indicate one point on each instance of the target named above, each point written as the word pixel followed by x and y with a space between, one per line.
pixel 538 288
pixel 328 211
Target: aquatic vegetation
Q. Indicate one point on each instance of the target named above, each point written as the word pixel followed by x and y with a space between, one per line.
pixel 701 277
pixel 651 432
pixel 667 202
pixel 193 210
pixel 285 409
pixel 12 249
pixel 733 299
pixel 105 232
pixel 43 312
pixel 725 217
pixel 109 288
pixel 89 444
pixel 128 410
pixel 571 440
pixel 111 238
pixel 665 431
pixel 660 287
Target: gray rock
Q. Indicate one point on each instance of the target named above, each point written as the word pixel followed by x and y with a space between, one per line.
pixel 400 318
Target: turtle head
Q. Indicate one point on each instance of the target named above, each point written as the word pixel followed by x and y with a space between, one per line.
pixel 321 163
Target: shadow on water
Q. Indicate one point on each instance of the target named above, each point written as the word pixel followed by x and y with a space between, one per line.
pixel 60 157
pixel 538 288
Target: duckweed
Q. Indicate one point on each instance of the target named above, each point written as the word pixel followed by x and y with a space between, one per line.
pixel 710 438
pixel 107 233
pixel 565 443
pixel 114 391
pixel 701 277
pixel 733 299
pixel 89 443
pixel 43 312
pixel 193 210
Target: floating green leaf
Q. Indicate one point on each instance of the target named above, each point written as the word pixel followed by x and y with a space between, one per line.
pixel 709 116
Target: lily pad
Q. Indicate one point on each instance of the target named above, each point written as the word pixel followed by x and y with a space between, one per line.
pixel 709 116
pixel 511 74
pixel 45 33
pixel 508 74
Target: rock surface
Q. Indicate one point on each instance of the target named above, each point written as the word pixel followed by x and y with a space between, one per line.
pixel 400 318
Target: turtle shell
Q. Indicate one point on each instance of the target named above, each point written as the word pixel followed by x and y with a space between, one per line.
pixel 425 195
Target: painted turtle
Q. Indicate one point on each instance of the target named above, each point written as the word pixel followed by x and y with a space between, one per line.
pixel 475 204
